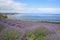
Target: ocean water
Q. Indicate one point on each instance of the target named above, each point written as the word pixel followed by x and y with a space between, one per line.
pixel 37 16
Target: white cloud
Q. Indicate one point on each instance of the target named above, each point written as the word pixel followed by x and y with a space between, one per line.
pixel 50 10
pixel 12 6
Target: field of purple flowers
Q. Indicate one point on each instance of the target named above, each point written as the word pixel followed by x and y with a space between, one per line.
pixel 21 30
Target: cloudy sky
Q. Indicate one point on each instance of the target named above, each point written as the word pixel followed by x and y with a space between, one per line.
pixel 30 6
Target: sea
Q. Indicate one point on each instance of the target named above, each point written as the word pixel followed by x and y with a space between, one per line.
pixel 53 17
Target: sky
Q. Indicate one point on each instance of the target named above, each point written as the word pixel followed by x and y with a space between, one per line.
pixel 30 6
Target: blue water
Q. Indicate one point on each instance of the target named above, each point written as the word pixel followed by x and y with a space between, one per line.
pixel 37 16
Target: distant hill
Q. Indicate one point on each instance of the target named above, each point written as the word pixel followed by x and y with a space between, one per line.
pixel 9 13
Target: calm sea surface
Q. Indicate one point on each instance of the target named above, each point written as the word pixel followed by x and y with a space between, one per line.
pixel 36 16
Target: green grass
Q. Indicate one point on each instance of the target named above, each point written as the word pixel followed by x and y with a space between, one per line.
pixel 55 22
pixel 32 20
pixel 40 21
pixel 52 22
pixel 11 34
pixel 37 34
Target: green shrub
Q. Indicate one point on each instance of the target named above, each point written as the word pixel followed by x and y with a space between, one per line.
pixel 37 34
pixel 20 26
pixel 11 34
pixel 11 24
pixel 1 28
pixel 6 17
pixel 29 35
pixel 2 16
